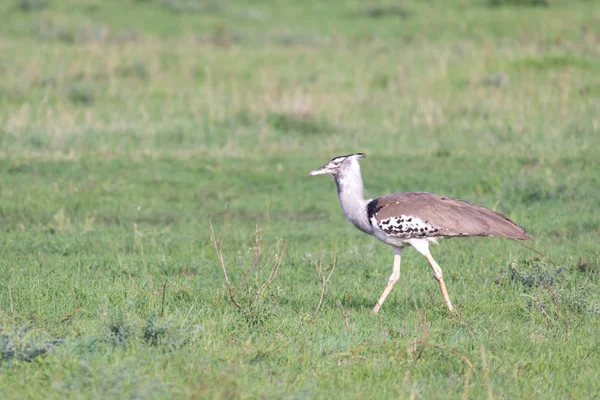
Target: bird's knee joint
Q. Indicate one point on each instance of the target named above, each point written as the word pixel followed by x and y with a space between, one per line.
pixel 438 275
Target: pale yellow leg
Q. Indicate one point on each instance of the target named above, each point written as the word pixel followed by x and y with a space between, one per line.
pixel 437 273
pixel 392 280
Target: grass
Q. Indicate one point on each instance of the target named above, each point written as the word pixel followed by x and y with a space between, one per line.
pixel 124 123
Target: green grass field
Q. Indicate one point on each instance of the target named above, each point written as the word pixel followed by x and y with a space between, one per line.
pixel 124 123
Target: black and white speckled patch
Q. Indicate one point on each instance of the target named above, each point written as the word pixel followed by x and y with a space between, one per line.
pixel 406 226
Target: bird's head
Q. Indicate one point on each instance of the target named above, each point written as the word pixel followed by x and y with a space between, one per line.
pixel 338 165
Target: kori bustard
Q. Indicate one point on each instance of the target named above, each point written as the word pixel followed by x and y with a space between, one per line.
pixel 412 218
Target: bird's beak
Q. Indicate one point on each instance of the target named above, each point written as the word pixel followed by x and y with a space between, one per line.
pixel 318 171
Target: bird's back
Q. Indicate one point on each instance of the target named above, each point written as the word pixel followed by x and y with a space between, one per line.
pixel 439 216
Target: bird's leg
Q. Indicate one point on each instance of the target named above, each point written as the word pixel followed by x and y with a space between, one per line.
pixel 394 277
pixel 437 273
pixel 422 246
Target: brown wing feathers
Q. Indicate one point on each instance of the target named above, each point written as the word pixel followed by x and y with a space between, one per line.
pixel 450 216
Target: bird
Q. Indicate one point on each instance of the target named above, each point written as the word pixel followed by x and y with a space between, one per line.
pixel 415 219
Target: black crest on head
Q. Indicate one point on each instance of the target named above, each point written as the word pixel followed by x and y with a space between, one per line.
pixel 342 158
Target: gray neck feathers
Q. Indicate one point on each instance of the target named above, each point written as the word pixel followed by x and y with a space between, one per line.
pixel 350 192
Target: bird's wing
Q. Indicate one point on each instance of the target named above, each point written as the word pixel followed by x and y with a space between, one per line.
pixel 420 214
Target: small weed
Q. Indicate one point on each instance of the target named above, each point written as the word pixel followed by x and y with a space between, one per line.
pixel 579 299
pixel 381 81
pixel 222 37
pixel 24 344
pixel 588 267
pixel 532 273
pixel 497 79
pixel 54 30
pixel 117 331
pixel 69 31
pixel 165 333
pixel 547 62
pixel 590 90
pixel 537 194
pixel 80 94
pixel 297 39
pixel 154 332
pixel 117 382
pixel 377 11
pixel 253 295
pixel 243 118
pixel 299 124
pixel 521 3
pixel 550 290
pixel 135 69
pixel 33 5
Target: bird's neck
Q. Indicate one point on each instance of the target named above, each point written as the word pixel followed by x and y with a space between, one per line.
pixel 351 194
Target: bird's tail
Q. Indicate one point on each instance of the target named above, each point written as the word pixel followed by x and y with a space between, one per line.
pixel 502 226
